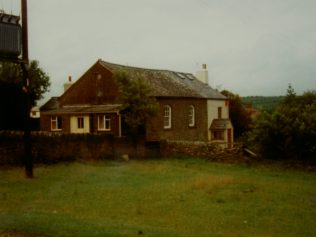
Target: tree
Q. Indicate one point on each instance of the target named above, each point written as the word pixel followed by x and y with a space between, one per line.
pixel 10 73
pixel 138 105
pixel 239 116
pixel 12 97
pixel 290 130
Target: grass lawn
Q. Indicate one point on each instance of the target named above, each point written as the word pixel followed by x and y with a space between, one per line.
pixel 169 197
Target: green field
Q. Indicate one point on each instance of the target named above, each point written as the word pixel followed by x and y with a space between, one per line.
pixel 168 197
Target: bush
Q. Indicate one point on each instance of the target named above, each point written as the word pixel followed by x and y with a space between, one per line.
pixel 289 131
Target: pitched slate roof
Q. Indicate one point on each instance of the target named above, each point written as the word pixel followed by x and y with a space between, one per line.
pixel 51 104
pixel 165 83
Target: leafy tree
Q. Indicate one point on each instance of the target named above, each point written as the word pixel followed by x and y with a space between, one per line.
pixel 239 116
pixel 10 73
pixel 12 98
pixel 289 131
pixel 138 105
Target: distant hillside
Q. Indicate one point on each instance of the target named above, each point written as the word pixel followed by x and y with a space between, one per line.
pixel 262 102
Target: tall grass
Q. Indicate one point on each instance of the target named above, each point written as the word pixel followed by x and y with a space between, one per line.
pixel 173 197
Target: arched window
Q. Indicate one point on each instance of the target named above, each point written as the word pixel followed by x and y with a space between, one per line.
pixel 167 116
pixel 191 116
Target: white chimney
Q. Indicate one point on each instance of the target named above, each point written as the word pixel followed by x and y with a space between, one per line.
pixel 68 84
pixel 202 74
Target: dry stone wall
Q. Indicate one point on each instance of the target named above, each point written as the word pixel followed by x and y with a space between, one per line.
pixel 50 148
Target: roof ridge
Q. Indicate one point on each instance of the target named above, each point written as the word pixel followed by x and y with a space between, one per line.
pixel 142 68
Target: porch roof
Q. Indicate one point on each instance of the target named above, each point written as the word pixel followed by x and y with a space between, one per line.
pixel 220 124
pixel 86 109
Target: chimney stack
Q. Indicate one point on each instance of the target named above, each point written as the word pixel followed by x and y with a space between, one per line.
pixel 202 75
pixel 68 84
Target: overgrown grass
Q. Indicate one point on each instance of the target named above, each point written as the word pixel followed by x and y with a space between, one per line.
pixel 173 197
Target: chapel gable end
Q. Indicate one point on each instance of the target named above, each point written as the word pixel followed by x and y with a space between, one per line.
pixel 95 86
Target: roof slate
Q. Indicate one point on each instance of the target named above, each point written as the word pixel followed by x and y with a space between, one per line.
pixel 51 104
pixel 165 83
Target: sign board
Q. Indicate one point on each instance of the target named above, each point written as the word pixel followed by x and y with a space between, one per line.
pixel 10 36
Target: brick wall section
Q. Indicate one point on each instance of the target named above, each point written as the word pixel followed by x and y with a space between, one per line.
pixel 101 88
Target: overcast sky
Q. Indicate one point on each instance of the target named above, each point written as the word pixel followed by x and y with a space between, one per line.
pixel 251 47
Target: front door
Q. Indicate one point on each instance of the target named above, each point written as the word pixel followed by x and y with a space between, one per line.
pixel 80 124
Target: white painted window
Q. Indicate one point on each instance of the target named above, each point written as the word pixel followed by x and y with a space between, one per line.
pixel 104 122
pixel 56 123
pixel 191 116
pixel 167 117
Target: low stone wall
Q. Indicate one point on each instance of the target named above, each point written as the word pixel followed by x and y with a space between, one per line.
pixel 53 148
pixel 48 148
pixel 211 151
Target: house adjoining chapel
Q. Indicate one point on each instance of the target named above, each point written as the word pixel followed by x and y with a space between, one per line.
pixel 190 110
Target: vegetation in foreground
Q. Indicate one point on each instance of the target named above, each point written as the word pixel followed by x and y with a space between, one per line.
pixel 171 197
pixel 289 131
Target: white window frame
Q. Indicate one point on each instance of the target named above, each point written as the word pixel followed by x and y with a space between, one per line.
pixel 54 124
pixel 167 116
pixel 105 121
pixel 191 116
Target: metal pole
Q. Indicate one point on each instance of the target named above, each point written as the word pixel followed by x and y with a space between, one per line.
pixel 28 161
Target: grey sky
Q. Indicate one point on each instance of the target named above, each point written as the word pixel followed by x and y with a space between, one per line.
pixel 251 47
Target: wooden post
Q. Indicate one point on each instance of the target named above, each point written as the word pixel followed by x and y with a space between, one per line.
pixel 28 160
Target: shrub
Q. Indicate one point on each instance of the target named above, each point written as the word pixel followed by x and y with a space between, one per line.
pixel 289 131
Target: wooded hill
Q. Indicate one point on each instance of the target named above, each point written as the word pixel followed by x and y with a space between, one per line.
pixel 262 102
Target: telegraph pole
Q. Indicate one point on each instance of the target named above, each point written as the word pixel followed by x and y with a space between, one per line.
pixel 28 160
pixel 25 48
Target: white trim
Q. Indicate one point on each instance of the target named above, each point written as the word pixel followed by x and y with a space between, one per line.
pixel 105 118
pixel 191 116
pixel 55 120
pixel 167 117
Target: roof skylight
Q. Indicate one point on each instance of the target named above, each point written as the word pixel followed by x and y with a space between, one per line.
pixel 181 75
pixel 190 76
